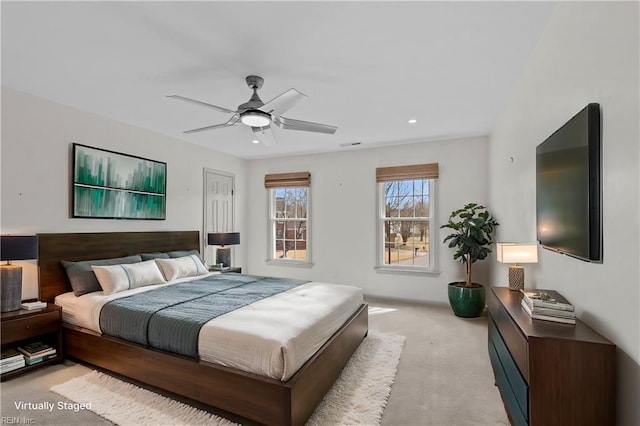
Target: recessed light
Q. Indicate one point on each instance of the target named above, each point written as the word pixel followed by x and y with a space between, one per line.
pixel 255 141
pixel 413 121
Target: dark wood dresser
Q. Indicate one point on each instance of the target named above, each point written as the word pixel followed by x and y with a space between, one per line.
pixel 549 373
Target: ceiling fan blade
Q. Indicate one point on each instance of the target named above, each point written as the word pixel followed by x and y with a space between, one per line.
pixel 264 135
pixel 283 102
pixel 307 126
pixel 233 120
pixel 193 101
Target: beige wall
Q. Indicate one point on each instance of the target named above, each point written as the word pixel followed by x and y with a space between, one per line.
pixel 344 212
pixel 36 163
pixel 588 53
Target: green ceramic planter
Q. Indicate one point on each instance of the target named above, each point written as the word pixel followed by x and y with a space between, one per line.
pixel 467 302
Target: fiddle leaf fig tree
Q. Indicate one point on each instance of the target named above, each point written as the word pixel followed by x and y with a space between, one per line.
pixel 473 227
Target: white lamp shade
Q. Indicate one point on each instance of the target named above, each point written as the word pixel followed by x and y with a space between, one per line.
pixel 517 253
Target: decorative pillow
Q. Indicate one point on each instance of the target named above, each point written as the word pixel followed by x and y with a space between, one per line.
pixel 154 255
pixel 116 278
pixel 181 267
pixel 183 253
pixel 81 276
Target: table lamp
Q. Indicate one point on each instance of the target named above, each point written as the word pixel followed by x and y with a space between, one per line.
pixel 222 239
pixel 13 247
pixel 516 253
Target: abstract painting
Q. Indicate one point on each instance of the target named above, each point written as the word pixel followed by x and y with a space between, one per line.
pixel 112 185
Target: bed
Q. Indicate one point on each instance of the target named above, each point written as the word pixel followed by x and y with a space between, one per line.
pixel 246 394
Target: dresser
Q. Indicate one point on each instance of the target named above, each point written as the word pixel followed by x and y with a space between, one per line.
pixel 549 373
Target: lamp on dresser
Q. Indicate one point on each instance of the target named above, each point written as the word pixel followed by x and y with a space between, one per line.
pixel 516 253
pixel 14 247
pixel 222 239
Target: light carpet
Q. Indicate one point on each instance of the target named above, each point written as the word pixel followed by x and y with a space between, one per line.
pixel 358 397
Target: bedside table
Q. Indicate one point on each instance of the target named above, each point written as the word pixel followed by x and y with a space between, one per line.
pixel 22 326
pixel 234 269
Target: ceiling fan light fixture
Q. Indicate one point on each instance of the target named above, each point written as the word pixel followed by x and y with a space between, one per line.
pixel 255 118
pixel 253 114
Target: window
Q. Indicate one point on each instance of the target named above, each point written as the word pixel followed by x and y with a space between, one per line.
pixel 406 206
pixel 289 217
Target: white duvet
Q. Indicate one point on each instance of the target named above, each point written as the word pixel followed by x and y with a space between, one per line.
pixel 273 337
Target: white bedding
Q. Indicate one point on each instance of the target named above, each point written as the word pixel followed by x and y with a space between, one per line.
pixel 273 337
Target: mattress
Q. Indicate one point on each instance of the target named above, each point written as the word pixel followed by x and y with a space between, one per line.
pixel 273 337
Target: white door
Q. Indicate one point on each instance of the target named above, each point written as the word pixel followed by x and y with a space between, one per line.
pixel 218 208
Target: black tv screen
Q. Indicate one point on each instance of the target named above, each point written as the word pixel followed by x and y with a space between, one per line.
pixel 568 187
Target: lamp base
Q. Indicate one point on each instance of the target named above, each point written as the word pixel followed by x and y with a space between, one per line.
pixel 11 287
pixel 516 278
pixel 223 255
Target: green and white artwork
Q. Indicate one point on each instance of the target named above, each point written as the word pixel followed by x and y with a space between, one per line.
pixel 111 185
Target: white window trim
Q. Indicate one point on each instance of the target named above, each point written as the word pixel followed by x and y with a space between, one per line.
pixel 270 234
pixel 381 267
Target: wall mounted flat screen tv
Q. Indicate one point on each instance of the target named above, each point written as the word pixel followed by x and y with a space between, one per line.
pixel 568 187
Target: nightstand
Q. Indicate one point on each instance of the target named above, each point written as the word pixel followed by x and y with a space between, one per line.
pixel 234 269
pixel 22 326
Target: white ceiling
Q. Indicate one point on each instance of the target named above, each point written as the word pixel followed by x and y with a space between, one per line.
pixel 367 67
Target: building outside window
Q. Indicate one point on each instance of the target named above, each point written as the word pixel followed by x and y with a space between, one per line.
pixel 289 217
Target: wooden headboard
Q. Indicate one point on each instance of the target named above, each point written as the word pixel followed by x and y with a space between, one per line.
pixel 52 248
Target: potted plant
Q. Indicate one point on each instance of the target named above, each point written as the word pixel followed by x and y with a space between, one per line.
pixel 472 228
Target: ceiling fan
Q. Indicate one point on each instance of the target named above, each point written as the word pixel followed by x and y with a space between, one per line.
pixel 259 116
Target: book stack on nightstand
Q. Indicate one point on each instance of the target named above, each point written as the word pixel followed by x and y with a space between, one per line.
pixel 11 360
pixel 540 305
pixel 36 352
pixel 30 306
pixel 31 338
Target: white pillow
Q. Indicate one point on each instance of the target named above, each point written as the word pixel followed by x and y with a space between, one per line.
pixel 181 267
pixel 116 278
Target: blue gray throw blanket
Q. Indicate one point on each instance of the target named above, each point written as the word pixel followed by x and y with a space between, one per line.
pixel 170 317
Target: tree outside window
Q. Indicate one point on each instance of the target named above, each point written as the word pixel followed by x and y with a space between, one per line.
pixel 289 223
pixel 406 223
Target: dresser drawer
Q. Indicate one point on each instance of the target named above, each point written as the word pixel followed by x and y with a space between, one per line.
pixel 30 326
pixel 514 380
pixel 493 304
pixel 516 343
pixel 508 397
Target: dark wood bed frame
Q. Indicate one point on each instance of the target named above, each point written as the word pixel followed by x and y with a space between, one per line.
pixel 250 396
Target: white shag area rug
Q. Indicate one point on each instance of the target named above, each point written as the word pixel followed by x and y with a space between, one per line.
pixel 358 397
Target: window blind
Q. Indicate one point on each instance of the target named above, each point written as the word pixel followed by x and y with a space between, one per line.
pixel 284 180
pixel 414 171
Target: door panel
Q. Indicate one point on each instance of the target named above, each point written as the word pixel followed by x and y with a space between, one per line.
pixel 218 208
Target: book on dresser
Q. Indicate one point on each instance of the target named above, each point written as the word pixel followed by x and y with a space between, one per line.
pixel 544 300
pixel 547 311
pixel 564 317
